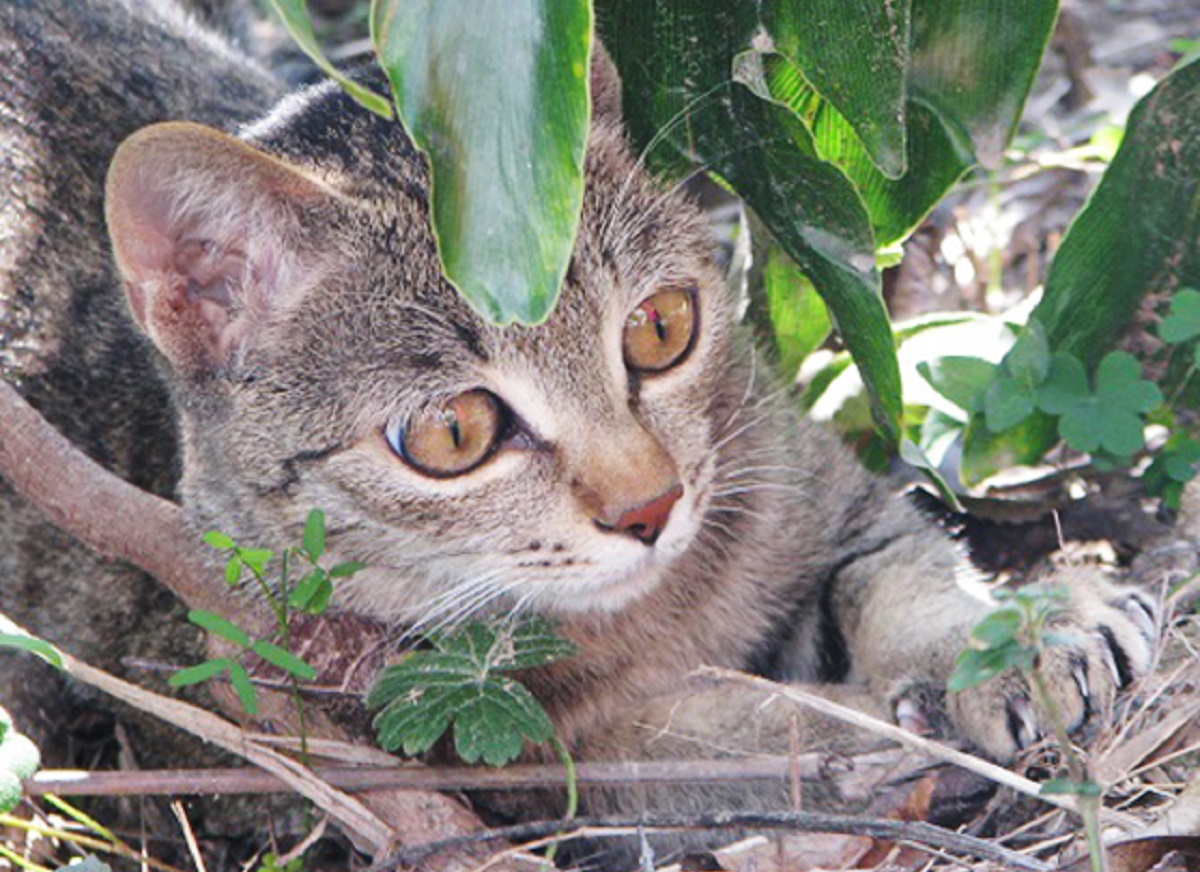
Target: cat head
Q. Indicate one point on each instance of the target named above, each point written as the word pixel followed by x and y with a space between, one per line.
pixel 318 358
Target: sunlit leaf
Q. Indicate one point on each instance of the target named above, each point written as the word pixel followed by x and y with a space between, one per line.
pixel 497 95
pixel 1140 231
pixel 218 626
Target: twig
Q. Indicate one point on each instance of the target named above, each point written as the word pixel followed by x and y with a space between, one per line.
pixel 355 816
pixel 70 782
pixel 916 832
pixel 937 750
pixel 113 517
pixel 188 835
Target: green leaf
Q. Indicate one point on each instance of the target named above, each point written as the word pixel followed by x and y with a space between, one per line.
pixel 986 452
pixel 865 85
pixel 255 559
pixel 284 659
pixel 1140 231
pixel 961 380
pixel 1119 383
pixel 497 96
pixel 314 534
pixel 243 687
pixel 1183 319
pixel 19 756
pixel 799 321
pixel 200 672
pixel 974 666
pixel 38 647
pixel 1058 786
pixel 294 15
pixel 997 629
pixel 311 595
pixel 345 570
pixel 675 57
pixel 1007 403
pixel 461 681
pixel 1066 384
pixel 973 64
pixel 218 540
pixel 218 626
pixel 233 570
pixel 1029 358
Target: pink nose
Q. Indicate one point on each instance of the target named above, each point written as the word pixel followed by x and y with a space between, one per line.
pixel 646 521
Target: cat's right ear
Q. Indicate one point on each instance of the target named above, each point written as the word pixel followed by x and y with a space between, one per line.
pixel 206 231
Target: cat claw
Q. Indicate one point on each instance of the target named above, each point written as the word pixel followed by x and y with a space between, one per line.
pixel 1114 638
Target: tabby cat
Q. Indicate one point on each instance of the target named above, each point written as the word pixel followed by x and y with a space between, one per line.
pixel 275 335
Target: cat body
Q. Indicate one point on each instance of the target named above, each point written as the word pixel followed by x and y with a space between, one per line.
pixel 630 468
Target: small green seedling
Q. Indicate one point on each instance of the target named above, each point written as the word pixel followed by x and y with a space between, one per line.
pixel 311 595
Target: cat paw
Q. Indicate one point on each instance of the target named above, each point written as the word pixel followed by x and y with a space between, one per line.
pixel 1111 631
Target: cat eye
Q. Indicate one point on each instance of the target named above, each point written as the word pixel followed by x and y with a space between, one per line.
pixel 452 437
pixel 658 332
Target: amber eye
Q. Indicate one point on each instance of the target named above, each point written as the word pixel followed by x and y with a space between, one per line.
pixel 658 332
pixel 453 437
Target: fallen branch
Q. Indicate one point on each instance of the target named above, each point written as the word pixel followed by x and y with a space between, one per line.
pixel 403 777
pixel 104 512
pixel 913 832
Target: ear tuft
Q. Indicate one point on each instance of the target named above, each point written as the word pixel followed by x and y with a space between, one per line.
pixel 204 230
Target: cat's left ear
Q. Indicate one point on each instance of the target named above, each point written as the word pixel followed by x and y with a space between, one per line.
pixel 208 237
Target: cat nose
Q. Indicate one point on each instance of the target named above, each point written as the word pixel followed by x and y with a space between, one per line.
pixel 645 522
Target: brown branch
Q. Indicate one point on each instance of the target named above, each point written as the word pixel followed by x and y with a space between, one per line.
pixel 913 832
pixel 401 777
pixel 107 514
pixel 123 522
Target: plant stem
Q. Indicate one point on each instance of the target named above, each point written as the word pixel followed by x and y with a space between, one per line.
pixel 568 763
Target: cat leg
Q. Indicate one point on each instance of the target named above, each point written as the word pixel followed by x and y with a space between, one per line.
pixel 903 603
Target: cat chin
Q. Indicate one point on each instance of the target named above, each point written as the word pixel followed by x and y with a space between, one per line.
pixel 605 597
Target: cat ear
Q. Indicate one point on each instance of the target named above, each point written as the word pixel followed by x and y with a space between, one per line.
pixel 605 83
pixel 205 230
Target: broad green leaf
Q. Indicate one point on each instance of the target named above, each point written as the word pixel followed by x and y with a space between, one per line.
pixel 1029 359
pixel 294 14
pixel 200 672
pixel 1140 231
pixel 496 93
pixel 493 726
pixel 683 107
pixel 986 452
pixel 961 380
pixel 973 63
pixel 233 571
pixel 856 56
pixel 284 659
pixel 218 626
pixel 314 534
pixel 345 570
pixel 975 666
pixel 1119 383
pixel 798 319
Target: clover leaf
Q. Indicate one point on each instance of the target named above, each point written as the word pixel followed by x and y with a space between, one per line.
pixel 462 681
pixel 1012 397
pixel 1107 418
pixel 1174 467
pixel 1183 318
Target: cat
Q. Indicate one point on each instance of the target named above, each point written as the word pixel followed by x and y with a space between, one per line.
pixel 274 334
